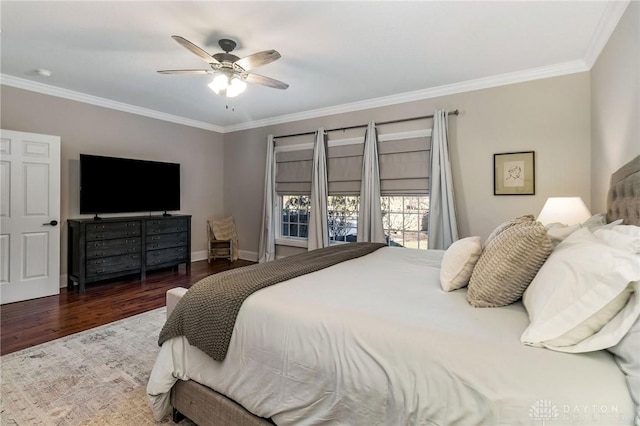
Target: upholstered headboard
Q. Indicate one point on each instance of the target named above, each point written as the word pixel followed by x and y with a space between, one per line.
pixel 623 201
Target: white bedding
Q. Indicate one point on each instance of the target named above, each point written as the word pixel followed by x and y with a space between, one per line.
pixel 375 341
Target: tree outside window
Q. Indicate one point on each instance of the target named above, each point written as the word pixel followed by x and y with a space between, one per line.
pixel 405 218
pixel 342 212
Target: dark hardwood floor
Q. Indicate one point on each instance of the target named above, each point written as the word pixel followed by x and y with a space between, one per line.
pixel 29 323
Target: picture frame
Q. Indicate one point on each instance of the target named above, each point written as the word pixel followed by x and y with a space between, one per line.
pixel 514 173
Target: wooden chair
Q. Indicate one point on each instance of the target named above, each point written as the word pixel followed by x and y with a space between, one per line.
pixel 222 238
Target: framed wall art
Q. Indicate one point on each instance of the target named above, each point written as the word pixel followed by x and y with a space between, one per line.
pixel 514 173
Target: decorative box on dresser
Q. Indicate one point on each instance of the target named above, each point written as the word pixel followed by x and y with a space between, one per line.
pixel 113 247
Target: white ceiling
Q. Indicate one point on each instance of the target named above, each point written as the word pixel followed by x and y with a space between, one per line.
pixel 336 56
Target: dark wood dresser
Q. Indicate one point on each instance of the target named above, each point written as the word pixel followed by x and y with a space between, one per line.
pixel 113 247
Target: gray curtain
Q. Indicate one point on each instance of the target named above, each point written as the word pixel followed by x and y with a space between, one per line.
pixel 267 248
pixel 443 226
pixel 318 220
pixel 370 215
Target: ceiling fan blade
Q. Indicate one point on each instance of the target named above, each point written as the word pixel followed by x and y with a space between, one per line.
pixel 195 49
pixel 185 72
pixel 258 59
pixel 265 81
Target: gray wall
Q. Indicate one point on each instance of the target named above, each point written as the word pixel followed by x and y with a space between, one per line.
pixel 90 129
pixel 615 106
pixel 567 120
pixel 550 117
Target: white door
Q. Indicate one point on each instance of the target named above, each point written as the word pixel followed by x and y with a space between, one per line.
pixel 29 215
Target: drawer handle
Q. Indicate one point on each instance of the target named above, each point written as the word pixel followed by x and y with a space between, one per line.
pixel 155 238
pixel 99 271
pixel 180 250
pixel 99 262
pixel 100 254
pixel 100 244
pixel 100 236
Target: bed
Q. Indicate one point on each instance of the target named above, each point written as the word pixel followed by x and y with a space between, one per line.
pixel 375 340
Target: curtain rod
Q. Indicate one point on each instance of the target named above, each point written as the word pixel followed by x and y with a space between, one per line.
pixel 456 112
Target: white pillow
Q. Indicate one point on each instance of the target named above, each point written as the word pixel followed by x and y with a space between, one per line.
pixel 599 221
pixel 620 240
pixel 631 230
pixel 458 262
pixel 580 300
pixel 595 221
pixel 627 356
pixel 558 232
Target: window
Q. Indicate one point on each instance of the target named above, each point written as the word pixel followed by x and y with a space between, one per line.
pixel 405 220
pixel 342 211
pixel 403 159
pixel 294 217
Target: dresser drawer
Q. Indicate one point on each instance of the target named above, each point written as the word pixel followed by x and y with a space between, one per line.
pixel 167 226
pixel 161 241
pixel 158 257
pixel 107 265
pixel 105 231
pixel 102 248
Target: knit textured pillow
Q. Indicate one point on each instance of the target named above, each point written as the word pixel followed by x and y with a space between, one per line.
pixel 508 264
pixel 508 224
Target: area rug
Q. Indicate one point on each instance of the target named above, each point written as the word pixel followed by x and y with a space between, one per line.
pixel 96 377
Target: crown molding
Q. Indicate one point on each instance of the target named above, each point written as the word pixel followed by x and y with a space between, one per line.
pixel 608 21
pixel 46 89
pixel 434 92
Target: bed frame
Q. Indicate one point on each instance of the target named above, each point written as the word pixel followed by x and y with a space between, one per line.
pixel 207 407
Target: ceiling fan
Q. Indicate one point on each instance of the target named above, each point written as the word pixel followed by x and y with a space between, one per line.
pixel 233 71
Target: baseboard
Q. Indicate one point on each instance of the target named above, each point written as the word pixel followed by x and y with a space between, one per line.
pixel 242 254
pixel 248 255
pixel 198 255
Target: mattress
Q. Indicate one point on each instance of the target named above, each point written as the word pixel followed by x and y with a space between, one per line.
pixel 375 341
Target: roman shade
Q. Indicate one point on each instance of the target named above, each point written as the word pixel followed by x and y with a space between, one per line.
pixel 344 167
pixel 404 160
pixel 404 164
pixel 293 171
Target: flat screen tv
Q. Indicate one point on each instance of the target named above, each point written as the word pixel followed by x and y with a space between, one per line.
pixel 123 185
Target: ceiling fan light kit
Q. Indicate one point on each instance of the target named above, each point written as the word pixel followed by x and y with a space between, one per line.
pixel 233 71
pixel 227 86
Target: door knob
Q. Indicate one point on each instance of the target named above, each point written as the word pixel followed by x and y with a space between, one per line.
pixel 52 223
